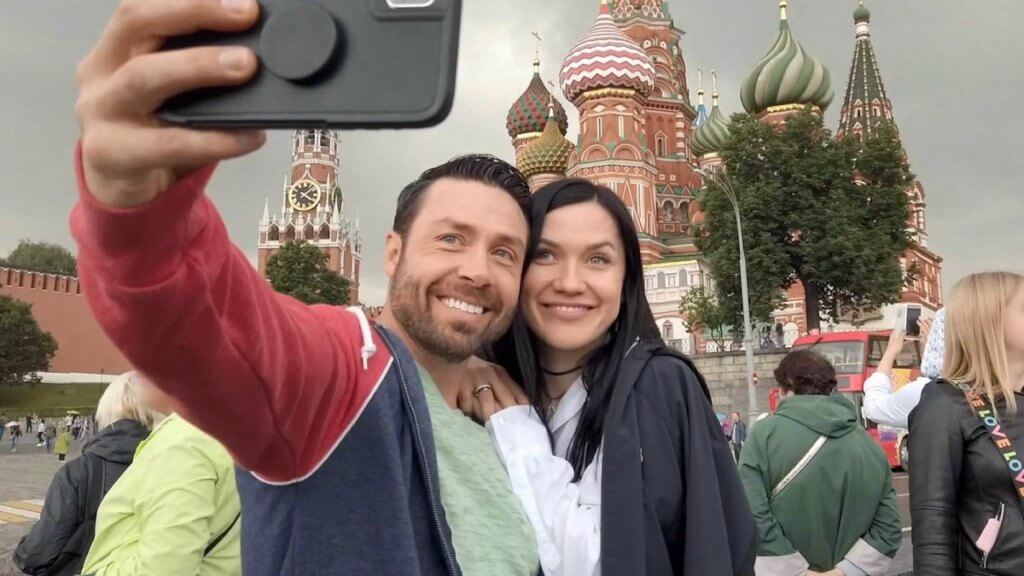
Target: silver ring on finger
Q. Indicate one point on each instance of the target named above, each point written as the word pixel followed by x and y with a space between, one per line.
pixel 480 388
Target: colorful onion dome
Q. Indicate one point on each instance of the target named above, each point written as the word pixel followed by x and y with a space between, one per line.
pixel 786 75
pixel 862 14
pixel 711 135
pixel 606 58
pixel 529 113
pixel 548 154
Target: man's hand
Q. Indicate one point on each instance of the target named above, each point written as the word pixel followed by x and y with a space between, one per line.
pixel 128 155
pixel 481 404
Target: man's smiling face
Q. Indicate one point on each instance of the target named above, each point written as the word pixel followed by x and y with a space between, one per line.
pixel 456 273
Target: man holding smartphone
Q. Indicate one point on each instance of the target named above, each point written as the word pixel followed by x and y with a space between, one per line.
pixel 347 465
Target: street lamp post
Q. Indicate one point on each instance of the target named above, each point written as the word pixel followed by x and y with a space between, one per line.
pixel 748 335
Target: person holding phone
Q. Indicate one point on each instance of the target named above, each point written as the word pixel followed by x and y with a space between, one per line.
pixel 618 458
pixel 889 408
pixel 967 437
pixel 352 457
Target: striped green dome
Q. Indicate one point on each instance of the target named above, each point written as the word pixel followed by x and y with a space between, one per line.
pixel 711 135
pixel 786 75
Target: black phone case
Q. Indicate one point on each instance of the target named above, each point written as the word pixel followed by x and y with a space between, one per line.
pixel 334 64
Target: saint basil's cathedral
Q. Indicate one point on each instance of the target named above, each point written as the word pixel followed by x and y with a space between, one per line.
pixel 642 136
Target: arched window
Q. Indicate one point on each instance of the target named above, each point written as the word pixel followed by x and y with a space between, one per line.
pixel 659 145
pixel 622 127
pixel 311 138
pixel 325 138
pixel 684 212
pixel 666 330
pixel 600 128
pixel 273 234
pixel 683 278
pixel 289 234
pixel 308 233
pixel 661 279
pixel 325 232
pixel 858 113
pixel 667 210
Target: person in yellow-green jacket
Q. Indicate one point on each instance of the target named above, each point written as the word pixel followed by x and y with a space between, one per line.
pixel 174 511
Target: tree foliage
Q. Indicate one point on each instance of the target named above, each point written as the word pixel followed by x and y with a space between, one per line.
pixel 24 347
pixel 702 313
pixel 42 257
pixel 829 213
pixel 300 270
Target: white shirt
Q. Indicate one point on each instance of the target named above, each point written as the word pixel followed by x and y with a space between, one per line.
pixel 884 406
pixel 566 516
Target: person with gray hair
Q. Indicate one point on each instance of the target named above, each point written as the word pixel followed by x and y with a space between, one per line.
pixel 58 543
pixel 889 408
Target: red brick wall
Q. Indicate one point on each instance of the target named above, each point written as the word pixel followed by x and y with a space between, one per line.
pixel 60 308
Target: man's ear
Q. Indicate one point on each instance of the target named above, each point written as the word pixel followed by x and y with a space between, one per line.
pixel 392 253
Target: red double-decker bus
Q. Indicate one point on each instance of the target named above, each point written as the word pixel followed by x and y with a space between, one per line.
pixel 855 356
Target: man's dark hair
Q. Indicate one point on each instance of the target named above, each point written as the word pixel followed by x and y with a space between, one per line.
pixel 473 167
pixel 806 372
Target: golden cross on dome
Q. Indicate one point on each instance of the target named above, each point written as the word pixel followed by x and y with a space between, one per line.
pixel 536 54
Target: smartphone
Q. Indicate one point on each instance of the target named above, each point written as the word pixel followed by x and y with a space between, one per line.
pixel 334 64
pixel 907 316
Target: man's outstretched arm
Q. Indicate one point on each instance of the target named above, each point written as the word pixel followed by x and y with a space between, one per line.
pixel 277 382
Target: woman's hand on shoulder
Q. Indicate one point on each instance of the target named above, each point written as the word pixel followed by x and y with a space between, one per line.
pixel 487 388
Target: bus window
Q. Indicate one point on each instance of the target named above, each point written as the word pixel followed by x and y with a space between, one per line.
pixel 909 357
pixel 846 357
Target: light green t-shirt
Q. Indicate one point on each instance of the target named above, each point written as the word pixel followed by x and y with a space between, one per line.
pixel 490 531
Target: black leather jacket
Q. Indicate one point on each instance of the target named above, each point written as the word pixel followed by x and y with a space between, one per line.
pixel 958 481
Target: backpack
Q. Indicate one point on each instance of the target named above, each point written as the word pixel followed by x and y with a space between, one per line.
pixel 71 559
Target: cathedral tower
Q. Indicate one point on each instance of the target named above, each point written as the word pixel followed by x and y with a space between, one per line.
pixel 865 106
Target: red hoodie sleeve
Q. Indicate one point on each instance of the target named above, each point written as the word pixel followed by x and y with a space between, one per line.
pixel 276 381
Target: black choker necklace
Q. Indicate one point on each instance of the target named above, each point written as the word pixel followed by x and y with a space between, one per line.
pixel 569 371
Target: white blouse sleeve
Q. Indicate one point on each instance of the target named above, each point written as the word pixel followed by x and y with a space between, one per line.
pixel 566 516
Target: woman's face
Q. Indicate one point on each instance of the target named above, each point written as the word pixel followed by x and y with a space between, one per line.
pixel 573 287
pixel 1013 325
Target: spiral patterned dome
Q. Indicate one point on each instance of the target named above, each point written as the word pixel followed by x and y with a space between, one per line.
pixel 548 154
pixel 529 113
pixel 606 58
pixel 710 136
pixel 787 75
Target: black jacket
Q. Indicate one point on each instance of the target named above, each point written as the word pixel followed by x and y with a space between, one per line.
pixel 958 480
pixel 671 500
pixel 60 540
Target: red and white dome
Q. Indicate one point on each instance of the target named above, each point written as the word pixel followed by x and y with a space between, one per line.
pixel 606 58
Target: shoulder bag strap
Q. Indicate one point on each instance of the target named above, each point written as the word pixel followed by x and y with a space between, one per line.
pixel 800 465
pixel 982 408
pixel 213 543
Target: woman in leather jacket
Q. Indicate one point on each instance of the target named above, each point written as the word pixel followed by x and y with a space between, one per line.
pixel 967 514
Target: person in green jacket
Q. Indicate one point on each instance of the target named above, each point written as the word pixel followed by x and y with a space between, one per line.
pixel 174 511
pixel 63 445
pixel 836 514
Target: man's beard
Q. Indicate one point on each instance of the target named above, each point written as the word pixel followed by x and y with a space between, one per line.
pixel 451 341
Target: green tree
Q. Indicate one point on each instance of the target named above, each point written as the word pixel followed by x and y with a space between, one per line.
pixel 42 257
pixel 829 213
pixel 24 347
pixel 702 313
pixel 300 270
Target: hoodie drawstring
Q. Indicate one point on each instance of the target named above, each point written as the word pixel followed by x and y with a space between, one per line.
pixel 369 348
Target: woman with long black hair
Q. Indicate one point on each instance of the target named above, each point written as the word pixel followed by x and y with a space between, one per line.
pixel 618 460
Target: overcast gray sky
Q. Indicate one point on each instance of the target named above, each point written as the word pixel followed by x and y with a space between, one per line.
pixel 952 68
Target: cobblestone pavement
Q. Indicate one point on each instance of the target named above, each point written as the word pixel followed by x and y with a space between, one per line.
pixel 25 475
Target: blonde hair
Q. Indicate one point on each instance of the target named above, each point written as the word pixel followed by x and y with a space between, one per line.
pixel 123 400
pixel 975 336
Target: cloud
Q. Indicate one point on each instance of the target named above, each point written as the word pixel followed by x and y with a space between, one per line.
pixel 950 71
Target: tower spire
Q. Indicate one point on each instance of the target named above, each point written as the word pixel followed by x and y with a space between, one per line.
pixel 783 5
pixel 266 212
pixel 604 9
pixel 536 54
pixel 714 88
pixel 700 86
pixel 866 103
